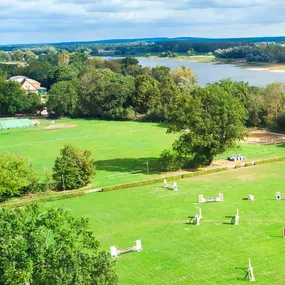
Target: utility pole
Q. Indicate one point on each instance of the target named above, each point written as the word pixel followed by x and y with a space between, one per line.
pixel 147 169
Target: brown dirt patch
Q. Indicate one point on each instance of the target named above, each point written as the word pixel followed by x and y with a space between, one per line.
pixel 60 126
pixel 264 137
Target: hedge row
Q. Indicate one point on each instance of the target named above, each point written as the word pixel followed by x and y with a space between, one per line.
pixel 270 160
pixel 139 183
pixel 44 199
pixel 161 179
pixel 188 175
pixel 204 172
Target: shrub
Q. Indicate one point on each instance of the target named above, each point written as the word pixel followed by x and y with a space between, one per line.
pixel 73 169
pixel 16 176
pixel 237 166
pixel 170 161
pixel 248 164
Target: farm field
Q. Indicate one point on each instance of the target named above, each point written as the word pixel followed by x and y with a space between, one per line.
pixel 175 252
pixel 121 149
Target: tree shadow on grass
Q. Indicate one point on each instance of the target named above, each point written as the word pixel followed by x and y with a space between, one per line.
pixel 130 165
pixel 231 222
pixel 190 221
pixel 281 145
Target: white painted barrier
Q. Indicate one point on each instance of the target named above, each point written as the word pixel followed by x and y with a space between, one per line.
pixel 236 218
pixel 115 252
pixel 202 200
pixel 250 198
pixel 196 219
pixel 250 271
pixel 169 186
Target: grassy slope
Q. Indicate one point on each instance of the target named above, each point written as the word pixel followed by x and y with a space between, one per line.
pixel 178 253
pixel 118 147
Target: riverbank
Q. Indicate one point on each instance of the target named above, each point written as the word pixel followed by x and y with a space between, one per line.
pixel 258 66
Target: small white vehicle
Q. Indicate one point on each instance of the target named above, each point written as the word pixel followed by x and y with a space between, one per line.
pixel 236 157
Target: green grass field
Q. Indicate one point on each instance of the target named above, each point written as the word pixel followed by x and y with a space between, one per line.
pixel 175 252
pixel 120 149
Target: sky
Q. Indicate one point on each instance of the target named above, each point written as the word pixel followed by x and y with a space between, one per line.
pixel 47 21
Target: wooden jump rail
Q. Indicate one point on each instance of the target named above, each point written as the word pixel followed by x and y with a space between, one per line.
pixel 115 252
pixel 202 200
pixel 235 218
pixel 169 186
pixel 248 272
pixel 196 220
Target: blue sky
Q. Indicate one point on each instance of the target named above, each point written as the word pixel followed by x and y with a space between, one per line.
pixel 29 21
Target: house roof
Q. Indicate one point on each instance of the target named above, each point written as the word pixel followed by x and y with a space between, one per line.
pixel 21 79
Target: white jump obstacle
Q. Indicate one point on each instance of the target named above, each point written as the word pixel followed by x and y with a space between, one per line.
pixel 202 200
pixel 250 271
pixel 235 219
pixel 250 198
pixel 279 197
pixel 115 252
pixel 196 220
pixel 169 186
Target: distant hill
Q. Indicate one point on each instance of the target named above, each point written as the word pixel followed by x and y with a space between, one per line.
pixel 155 40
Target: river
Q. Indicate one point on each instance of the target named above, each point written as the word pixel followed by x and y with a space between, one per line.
pixel 211 72
pixel 208 72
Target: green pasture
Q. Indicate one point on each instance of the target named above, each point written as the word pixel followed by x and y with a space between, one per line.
pixel 121 149
pixel 175 252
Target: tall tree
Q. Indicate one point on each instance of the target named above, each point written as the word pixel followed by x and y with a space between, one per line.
pixel 160 72
pixel 51 247
pixel 4 56
pixel 12 98
pixel 185 78
pixel 18 55
pixel 147 94
pixel 63 99
pixel 209 121
pixel 63 58
pixel 103 93
pixel 16 176
pixel 73 168
pixel 29 55
pixel 275 100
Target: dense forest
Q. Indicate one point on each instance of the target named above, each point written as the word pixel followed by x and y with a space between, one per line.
pixel 121 89
pixel 262 52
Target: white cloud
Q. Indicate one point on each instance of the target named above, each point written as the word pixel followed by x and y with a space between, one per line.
pixel 88 18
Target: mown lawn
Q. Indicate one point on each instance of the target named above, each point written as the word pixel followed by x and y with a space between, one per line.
pixel 121 149
pixel 175 252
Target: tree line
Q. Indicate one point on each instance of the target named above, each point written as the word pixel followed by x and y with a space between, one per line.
pixel 261 52
pixel 121 89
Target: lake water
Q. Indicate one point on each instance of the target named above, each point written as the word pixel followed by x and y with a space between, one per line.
pixel 208 72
